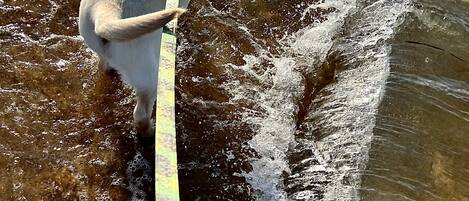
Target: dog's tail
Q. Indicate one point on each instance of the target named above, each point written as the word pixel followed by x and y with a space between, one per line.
pixel 110 26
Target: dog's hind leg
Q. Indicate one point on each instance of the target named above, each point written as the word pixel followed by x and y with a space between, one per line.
pixel 143 111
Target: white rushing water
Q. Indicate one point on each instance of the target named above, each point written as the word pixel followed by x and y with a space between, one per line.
pixel 348 111
pixel 357 93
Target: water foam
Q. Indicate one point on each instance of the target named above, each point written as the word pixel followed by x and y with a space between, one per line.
pixel 138 174
pixel 275 129
pixel 274 122
pixel 349 109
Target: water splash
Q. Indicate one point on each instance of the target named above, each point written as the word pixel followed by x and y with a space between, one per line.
pixel 342 119
pixel 275 124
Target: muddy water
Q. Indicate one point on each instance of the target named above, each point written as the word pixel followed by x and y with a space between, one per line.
pixel 276 100
pixel 65 128
pixel 301 117
pixel 227 55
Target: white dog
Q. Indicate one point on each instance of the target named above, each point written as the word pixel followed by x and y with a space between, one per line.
pixel 126 34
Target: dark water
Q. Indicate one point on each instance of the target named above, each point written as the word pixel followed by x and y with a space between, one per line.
pixel 276 100
pixel 419 149
pixel 211 120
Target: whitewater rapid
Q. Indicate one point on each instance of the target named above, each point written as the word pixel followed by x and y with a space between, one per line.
pixel 360 31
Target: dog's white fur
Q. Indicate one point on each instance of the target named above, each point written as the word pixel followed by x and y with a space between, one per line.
pixel 126 34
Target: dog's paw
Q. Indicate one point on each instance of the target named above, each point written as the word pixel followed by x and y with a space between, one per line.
pixel 146 137
pixel 146 141
pixel 145 128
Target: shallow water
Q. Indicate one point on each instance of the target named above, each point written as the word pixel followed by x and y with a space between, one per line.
pixel 65 128
pixel 419 148
pixel 276 100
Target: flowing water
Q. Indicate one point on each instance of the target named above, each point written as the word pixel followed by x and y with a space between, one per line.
pixel 276 100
